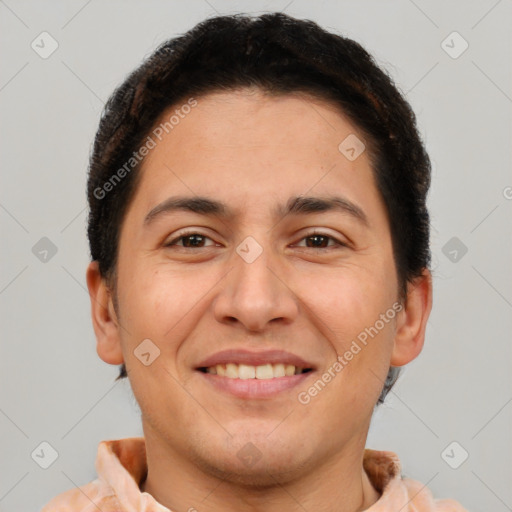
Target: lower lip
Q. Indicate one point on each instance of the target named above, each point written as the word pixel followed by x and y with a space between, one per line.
pixel 255 388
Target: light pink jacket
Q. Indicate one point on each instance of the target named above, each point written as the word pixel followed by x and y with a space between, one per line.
pixel 121 467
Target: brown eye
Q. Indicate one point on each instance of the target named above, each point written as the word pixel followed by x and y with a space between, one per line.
pixel 190 240
pixel 318 241
pixel 321 241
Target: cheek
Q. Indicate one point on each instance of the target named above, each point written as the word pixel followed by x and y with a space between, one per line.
pixel 347 299
pixel 162 304
pixel 348 305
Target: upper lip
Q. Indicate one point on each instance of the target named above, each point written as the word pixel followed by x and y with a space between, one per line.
pixel 247 357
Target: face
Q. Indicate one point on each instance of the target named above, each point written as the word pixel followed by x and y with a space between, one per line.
pixel 271 307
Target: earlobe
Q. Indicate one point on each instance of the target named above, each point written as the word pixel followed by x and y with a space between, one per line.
pixel 412 320
pixel 104 320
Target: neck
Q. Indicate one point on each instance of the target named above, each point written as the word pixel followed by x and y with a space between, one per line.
pixel 339 484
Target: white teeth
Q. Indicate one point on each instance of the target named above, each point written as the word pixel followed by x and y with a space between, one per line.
pixel 231 371
pixel 262 372
pixel 279 370
pixel 246 372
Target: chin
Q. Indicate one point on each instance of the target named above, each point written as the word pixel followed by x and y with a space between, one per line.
pixel 261 475
pixel 255 461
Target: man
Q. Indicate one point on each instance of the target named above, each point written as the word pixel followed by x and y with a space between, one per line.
pixel 260 268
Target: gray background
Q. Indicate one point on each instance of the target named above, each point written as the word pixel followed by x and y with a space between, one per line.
pixel 54 387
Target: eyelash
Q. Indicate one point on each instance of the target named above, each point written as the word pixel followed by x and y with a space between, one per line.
pixel 309 235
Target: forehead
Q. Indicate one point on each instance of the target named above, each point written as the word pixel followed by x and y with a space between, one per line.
pixel 251 118
pixel 249 149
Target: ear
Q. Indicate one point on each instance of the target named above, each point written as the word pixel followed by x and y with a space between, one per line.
pixel 412 320
pixel 104 319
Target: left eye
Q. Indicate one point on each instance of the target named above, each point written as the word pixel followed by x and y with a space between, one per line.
pixel 319 239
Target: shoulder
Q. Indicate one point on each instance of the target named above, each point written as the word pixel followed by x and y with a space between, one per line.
pixel 384 470
pixel 88 498
pixel 422 499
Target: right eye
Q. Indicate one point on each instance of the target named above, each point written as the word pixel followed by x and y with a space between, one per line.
pixel 190 240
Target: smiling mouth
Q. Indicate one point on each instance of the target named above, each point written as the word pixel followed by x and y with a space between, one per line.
pixel 262 372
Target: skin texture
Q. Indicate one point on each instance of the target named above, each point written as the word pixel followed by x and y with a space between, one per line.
pixel 253 152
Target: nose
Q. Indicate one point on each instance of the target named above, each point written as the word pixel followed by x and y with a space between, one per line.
pixel 256 293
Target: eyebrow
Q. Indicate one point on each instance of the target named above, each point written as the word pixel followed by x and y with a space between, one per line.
pixel 298 205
